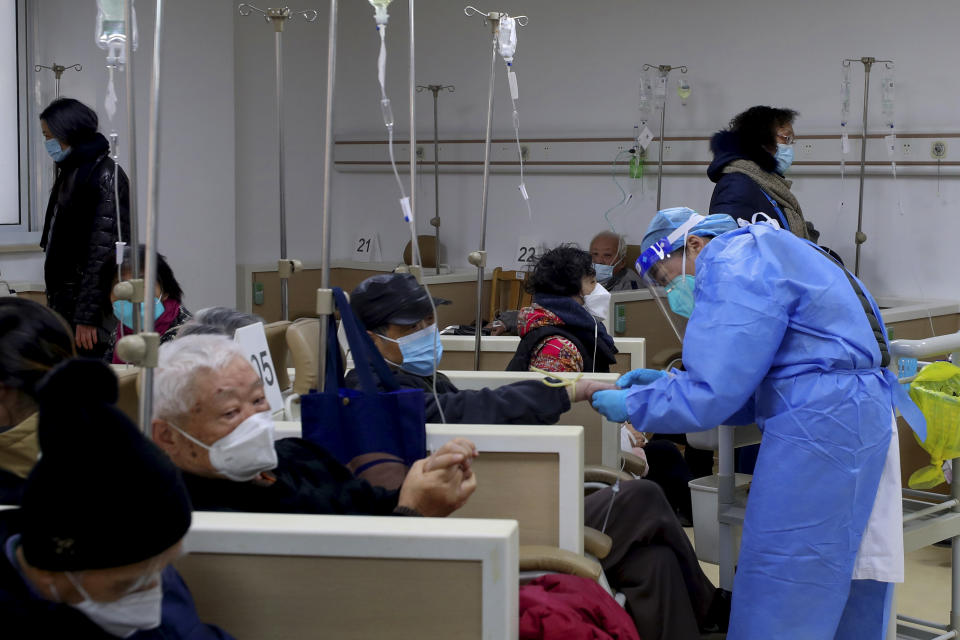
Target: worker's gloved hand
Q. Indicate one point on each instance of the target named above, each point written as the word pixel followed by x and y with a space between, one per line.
pixel 612 404
pixel 640 376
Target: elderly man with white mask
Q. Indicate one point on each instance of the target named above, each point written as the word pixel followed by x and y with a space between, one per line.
pixel 212 418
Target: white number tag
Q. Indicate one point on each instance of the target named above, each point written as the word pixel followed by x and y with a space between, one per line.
pixel 645 137
pixel 253 341
pixel 528 250
pixel 366 247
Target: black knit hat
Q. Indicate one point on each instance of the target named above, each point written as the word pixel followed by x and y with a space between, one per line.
pixel 391 298
pixel 101 495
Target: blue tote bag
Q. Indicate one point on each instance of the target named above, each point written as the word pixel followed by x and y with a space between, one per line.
pixel 375 433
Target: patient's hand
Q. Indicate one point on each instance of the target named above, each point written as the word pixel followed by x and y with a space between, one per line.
pixel 586 388
pixel 458 451
pixel 440 491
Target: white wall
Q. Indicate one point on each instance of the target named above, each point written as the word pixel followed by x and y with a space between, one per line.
pixel 578 68
pixel 197 204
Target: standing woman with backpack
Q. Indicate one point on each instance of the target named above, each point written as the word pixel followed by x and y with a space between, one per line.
pixel 80 225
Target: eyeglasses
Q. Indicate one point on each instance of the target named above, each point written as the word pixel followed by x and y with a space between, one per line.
pixel 784 138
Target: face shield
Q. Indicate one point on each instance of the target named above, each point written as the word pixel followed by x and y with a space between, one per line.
pixel 663 269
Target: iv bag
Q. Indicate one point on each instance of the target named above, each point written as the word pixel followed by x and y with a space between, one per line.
pixel 645 104
pixel 380 10
pixel 111 35
pixel 507 38
pixel 845 95
pixel 683 90
pixel 887 97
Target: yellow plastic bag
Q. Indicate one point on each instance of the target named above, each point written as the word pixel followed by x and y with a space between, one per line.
pixel 936 391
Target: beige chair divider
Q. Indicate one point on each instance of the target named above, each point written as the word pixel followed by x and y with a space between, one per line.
pixel 532 474
pixel 128 396
pixel 601 436
pixel 497 351
pixel 293 577
pixel 276 333
pixel 303 339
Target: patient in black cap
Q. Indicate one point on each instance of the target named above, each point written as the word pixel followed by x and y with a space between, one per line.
pixel 104 511
pixel 396 311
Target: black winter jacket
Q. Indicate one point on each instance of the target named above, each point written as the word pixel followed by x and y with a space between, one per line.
pixel 526 402
pixel 307 480
pixel 79 233
pixel 736 194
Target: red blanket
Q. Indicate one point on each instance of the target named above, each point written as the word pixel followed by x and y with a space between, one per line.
pixel 572 608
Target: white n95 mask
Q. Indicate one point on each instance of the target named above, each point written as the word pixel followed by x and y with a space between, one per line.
pixel 597 302
pixel 245 452
pixel 122 618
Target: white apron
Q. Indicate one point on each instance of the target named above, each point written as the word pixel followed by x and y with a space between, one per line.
pixel 880 556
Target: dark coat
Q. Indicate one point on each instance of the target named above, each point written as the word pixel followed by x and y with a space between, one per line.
pixel 736 194
pixel 308 480
pixel 25 614
pixel 526 402
pixel 79 233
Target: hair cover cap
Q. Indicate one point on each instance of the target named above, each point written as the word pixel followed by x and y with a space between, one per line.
pixel 667 220
pixel 101 495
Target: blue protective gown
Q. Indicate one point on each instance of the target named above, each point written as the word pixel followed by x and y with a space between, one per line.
pixel 778 336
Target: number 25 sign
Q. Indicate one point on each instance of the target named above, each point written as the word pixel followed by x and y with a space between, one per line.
pixel 253 340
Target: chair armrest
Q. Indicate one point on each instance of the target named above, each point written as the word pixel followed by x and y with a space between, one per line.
pixel 606 475
pixel 596 543
pixel 633 464
pixel 556 560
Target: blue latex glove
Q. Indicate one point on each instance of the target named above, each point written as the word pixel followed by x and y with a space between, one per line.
pixel 612 403
pixel 640 376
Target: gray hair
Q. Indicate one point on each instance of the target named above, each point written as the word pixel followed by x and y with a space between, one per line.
pixel 180 361
pixel 613 235
pixel 222 321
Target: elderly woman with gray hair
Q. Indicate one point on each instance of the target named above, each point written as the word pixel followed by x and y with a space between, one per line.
pixel 222 321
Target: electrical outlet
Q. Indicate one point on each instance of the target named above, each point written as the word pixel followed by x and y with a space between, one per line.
pixel 806 149
pixel 666 149
pixel 938 150
pixel 525 152
pixel 419 153
pixel 621 147
pixel 906 149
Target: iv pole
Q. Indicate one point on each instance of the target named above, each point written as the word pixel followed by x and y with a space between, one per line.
pixel 479 258
pixel 860 237
pixel 132 165
pixel 664 70
pixel 58 70
pixel 325 293
pixel 278 18
pixel 435 221
pixel 142 348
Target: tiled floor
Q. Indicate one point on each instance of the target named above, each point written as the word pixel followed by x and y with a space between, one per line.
pixel 926 592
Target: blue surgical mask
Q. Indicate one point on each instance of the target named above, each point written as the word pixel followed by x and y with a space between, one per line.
pixel 680 295
pixel 421 350
pixel 53 148
pixel 784 157
pixel 123 310
pixel 604 272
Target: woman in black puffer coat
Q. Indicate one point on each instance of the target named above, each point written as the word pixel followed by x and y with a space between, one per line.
pixel 80 227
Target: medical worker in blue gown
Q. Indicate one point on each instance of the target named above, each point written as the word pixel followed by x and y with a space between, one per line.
pixel 782 335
